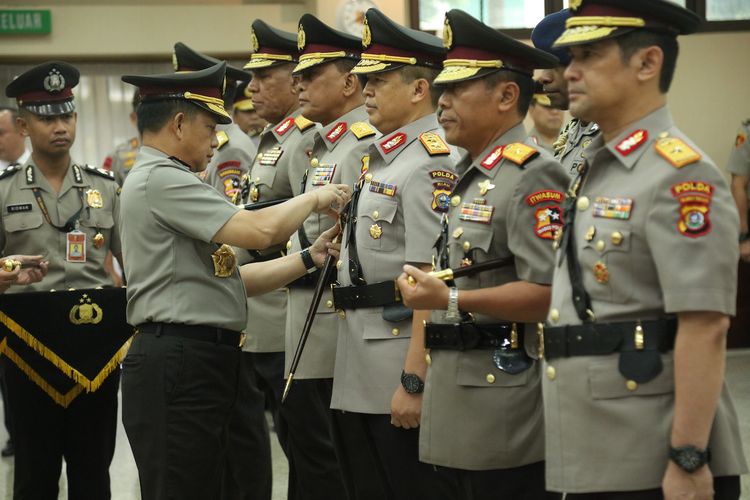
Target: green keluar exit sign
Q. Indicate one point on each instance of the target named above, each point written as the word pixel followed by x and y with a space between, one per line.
pixel 25 22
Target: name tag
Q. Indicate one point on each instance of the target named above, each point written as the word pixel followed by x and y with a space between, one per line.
pixel 19 207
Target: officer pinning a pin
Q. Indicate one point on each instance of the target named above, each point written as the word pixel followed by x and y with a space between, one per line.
pixel 22 270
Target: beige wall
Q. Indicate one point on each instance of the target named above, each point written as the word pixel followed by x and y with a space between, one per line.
pixel 708 97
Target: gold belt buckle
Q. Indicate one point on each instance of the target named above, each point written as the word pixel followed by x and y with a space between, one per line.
pixel 243 337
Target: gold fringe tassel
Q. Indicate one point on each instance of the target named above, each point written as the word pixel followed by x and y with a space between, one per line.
pixel 69 371
pixel 57 397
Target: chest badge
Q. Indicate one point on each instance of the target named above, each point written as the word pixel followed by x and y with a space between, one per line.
pixel 485 186
pixel 94 198
pixel 376 232
pixel 224 260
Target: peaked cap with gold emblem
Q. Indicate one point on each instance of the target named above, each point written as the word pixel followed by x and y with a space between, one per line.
pixel 594 20
pixel 271 46
pixel 388 45
pixel 243 97
pixel 318 43
pixel 186 59
pixel 475 50
pixel 204 88
pixel 46 89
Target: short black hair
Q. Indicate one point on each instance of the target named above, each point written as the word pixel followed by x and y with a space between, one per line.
pixel 410 73
pixel 153 115
pixel 525 85
pixel 345 65
pixel 638 39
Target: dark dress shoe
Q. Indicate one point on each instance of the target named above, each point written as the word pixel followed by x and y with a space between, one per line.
pixel 9 450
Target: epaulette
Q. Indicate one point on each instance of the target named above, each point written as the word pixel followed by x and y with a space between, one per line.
pixel 434 144
pixel 9 171
pixel 303 123
pixel 676 152
pixel 519 153
pixel 100 172
pixel 222 137
pixel 362 130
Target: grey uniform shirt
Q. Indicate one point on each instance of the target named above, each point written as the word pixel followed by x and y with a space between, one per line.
pixel 232 159
pixel 339 152
pixel 739 158
pixel 122 159
pixel 505 205
pixel 398 219
pixel 655 233
pixel 25 231
pixel 282 158
pixel 570 147
pixel 168 218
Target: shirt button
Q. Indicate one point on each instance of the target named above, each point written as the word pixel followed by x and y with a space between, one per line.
pixel 551 372
pixel 631 385
pixel 342 314
pixel 600 245
pixel 329 304
pixel 260 155
pixel 314 163
pixel 428 359
pixel 368 177
pixel 582 203
pixel 289 245
pixel 490 378
pixel 554 315
pixel 617 238
pixel 375 214
pixel 395 332
pixel 467 246
pixel 455 201
pixel 338 265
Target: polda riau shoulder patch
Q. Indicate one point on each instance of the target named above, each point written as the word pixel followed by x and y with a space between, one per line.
pixel 222 137
pixel 676 152
pixel 519 153
pixel 362 130
pixel 434 144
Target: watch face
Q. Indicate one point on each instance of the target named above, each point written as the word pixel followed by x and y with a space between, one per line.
pixel 689 458
pixel 411 383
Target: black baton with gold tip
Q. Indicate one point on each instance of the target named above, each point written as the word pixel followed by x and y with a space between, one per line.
pixel 451 274
pixel 265 204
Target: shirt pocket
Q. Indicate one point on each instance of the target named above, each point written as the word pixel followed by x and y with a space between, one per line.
pixel 264 175
pixel 606 263
pixel 376 328
pixel 474 244
pixel 375 227
pixel 15 223
pixel 606 381
pixel 476 369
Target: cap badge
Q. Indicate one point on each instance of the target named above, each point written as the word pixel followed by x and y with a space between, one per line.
pixel 447 34
pixel 254 41
pixel 54 82
pixel 300 38
pixel 366 35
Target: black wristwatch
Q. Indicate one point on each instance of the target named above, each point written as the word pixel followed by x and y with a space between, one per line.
pixel 412 383
pixel 689 458
pixel 308 261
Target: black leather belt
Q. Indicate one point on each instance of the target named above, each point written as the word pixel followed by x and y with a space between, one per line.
pixel 375 295
pixel 194 332
pixel 469 335
pixel 605 338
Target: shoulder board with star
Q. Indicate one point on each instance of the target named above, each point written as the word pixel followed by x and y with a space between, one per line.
pixel 9 171
pixel 100 172
pixel 362 130
pixel 676 152
pixel 519 153
pixel 303 123
pixel 222 137
pixel 434 144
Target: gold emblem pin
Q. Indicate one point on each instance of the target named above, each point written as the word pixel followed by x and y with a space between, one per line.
pixel 254 41
pixel 447 34
pixel 85 312
pixel 376 231
pixel 366 35
pixel 98 240
pixel 458 232
pixel 300 38
pixel 601 273
pixel 485 186
pixel 225 261
pixel 254 194
pixel 590 233
pixel 94 198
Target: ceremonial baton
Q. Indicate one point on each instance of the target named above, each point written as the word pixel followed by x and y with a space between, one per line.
pixel 451 274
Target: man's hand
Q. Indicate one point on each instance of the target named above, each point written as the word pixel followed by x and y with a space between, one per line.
pixel 332 199
pixel 406 409
pixel 31 270
pixel 680 485
pixel 428 293
pixel 745 251
pixel 324 245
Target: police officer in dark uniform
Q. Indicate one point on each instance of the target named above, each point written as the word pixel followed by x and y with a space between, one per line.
pixel 186 294
pixel 66 211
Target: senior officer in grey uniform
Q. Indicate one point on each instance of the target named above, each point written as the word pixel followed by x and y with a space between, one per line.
pixel 633 388
pixel 394 218
pixel 231 161
pixel 576 135
pixel 275 174
pixel 236 152
pixel 739 166
pixel 482 412
pixel 185 293
pixel 65 211
pixel 332 96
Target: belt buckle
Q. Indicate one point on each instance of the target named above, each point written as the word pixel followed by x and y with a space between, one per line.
pixel 243 337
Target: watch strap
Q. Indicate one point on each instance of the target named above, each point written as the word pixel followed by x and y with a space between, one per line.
pixel 308 261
